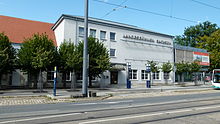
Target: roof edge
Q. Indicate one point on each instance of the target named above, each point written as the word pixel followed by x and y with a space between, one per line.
pixel 101 21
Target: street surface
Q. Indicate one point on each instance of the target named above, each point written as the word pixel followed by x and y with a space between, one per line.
pixel 179 109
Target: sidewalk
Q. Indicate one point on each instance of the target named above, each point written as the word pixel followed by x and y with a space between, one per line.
pixel 30 96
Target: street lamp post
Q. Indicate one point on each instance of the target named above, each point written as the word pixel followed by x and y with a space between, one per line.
pixel 85 53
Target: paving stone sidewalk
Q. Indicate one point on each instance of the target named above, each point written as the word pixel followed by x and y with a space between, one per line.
pixel 25 97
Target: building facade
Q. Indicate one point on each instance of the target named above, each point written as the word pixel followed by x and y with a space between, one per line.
pixel 190 55
pixel 126 44
pixel 17 30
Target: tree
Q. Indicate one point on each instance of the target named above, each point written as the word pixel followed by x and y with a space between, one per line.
pixel 70 60
pixel 192 35
pixel 181 67
pixel 166 68
pixel 153 67
pixel 37 54
pixel 99 60
pixel 7 55
pixel 194 67
pixel 212 45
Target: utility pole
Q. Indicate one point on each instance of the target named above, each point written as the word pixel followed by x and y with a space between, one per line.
pixel 85 53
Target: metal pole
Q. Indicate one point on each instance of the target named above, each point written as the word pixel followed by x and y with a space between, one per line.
pixel 85 53
pixel 55 81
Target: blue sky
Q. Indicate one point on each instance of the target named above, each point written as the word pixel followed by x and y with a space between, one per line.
pixel 51 10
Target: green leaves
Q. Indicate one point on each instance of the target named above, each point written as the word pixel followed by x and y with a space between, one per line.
pixel 37 52
pixel 72 56
pixel 187 67
pixel 192 35
pixel 7 54
pixel 167 67
pixel 212 45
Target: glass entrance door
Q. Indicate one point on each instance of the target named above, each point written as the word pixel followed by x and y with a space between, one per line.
pixel 114 77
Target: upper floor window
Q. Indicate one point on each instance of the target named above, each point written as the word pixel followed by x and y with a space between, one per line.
pixel 133 74
pixel 112 36
pixel 81 31
pixel 102 35
pixel 112 52
pixel 144 75
pixel 93 33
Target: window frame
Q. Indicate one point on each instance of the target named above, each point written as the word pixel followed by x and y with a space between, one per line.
pixel 114 36
pixel 101 31
pixel 132 74
pixel 111 52
pixel 91 30
pixel 145 74
pixel 81 34
pixel 156 74
pixel 51 77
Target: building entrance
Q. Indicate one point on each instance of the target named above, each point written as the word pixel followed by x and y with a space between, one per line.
pixel 114 77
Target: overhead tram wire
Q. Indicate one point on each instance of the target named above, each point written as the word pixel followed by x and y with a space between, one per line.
pixel 145 11
pixel 205 4
pixel 114 9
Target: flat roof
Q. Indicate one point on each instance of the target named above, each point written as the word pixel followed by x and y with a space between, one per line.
pixel 107 23
pixel 180 47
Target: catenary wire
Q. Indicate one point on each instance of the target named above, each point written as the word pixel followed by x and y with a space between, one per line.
pixel 205 4
pixel 114 9
pixel 145 11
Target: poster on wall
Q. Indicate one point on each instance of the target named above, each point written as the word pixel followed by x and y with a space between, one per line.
pixel 201 58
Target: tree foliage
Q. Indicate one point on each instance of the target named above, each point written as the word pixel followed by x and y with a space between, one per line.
pixel 167 67
pixel 7 54
pixel 37 53
pixel 99 60
pixel 192 35
pixel 69 56
pixel 212 45
pixel 153 66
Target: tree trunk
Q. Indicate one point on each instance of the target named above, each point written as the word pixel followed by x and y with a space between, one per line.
pixel 90 81
pixel 178 78
pixel 40 84
pixel 64 79
pixel 73 80
pixel 183 82
pixel 29 79
pixel 0 80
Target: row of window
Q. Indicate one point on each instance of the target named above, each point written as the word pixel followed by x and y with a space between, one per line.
pixel 133 75
pixel 92 33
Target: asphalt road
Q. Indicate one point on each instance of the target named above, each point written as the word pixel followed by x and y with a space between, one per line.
pixel 190 108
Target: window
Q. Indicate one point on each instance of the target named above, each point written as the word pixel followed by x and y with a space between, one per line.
pixel 156 75
pixel 102 35
pixel 112 53
pixel 81 31
pixel 68 76
pixel 166 75
pixel 112 36
pixel 144 75
pixel 133 74
pixel 93 33
pixel 50 75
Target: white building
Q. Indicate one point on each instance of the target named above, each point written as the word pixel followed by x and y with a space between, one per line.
pixel 126 43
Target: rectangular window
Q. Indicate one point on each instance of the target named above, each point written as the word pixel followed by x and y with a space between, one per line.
pixel 93 33
pixel 156 75
pixel 68 76
pixel 102 35
pixel 144 75
pixel 133 74
pixel 112 52
pixel 166 75
pixel 50 75
pixel 112 36
pixel 81 31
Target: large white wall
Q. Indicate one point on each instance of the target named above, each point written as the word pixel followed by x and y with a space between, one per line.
pixel 126 51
